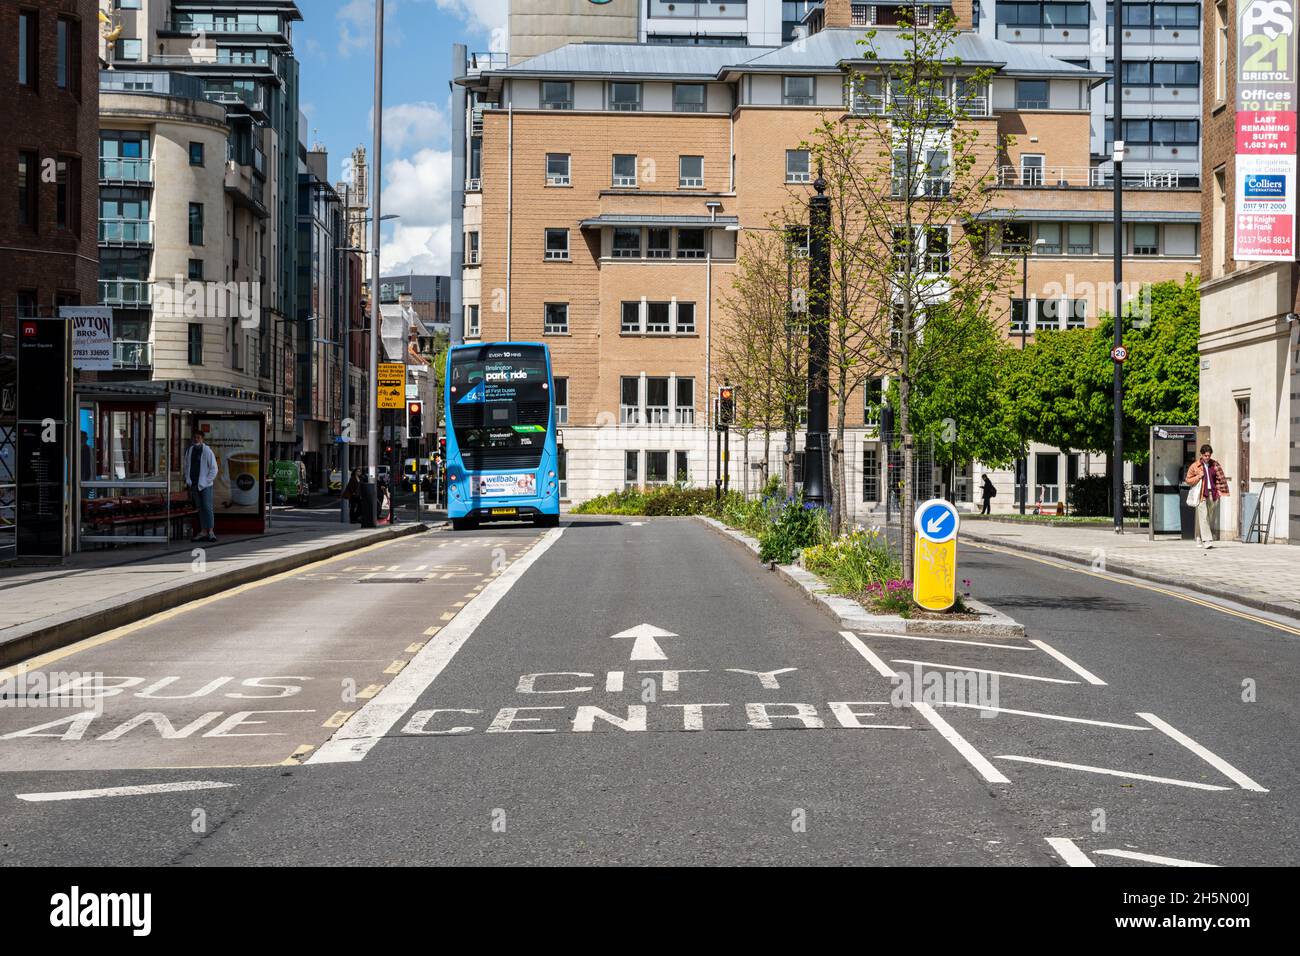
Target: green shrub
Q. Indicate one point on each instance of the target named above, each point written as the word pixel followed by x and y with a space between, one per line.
pixel 668 500
pixel 629 501
pixel 794 526
pixel 678 500
pixel 854 562
pixel 1090 496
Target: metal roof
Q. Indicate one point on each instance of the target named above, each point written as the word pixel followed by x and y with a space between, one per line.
pixel 655 219
pixel 825 51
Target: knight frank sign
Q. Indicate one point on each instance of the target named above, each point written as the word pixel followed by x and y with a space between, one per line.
pixel 1266 131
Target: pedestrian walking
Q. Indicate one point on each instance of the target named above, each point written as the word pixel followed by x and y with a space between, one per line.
pixel 352 495
pixel 1209 484
pixel 200 470
pixel 989 493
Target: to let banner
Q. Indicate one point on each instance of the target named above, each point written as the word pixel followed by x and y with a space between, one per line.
pixel 1265 206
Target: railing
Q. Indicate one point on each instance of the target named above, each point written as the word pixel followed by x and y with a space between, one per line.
pixel 125 232
pixel 867 104
pixel 127 293
pixel 126 170
pixel 478 62
pixel 219 26
pixel 658 414
pixel 159 84
pixel 933 187
pixel 1053 177
pixel 629 415
pixel 473 185
pixel 471 258
pixel 128 354
pixel 684 416
pixel 476 120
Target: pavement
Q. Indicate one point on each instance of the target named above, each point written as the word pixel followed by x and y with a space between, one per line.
pixel 1263 576
pixel 642 692
pixel 42 607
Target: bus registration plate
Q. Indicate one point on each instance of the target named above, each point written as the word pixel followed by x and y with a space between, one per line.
pixel 505 511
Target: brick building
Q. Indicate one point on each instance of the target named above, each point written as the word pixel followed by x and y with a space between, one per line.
pixel 611 182
pixel 49 99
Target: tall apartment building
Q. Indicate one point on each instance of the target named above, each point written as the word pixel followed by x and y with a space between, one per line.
pixel 610 183
pixel 48 254
pixel 199 184
pixel 1250 335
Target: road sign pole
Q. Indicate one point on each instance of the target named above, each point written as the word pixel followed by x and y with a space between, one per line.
pixel 934 575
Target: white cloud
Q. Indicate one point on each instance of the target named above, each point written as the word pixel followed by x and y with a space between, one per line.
pixel 419 190
pixel 488 17
pixel 356 26
pixel 413 124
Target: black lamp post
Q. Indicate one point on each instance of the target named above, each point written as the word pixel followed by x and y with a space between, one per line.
pixel 815 488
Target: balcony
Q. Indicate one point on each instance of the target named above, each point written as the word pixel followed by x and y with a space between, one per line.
pixel 129 355
pixel 1088 177
pixel 245 188
pixel 267 24
pixel 157 84
pixel 872 104
pixel 125 232
pixel 125 293
pixel 478 62
pixel 125 172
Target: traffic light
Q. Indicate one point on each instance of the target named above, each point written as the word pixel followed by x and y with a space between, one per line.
pixel 414 419
pixel 726 406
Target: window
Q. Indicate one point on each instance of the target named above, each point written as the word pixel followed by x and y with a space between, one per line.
pixel 1221 52
pixel 658 319
pixel 625 97
pixel 1145 239
pixel 688 97
pixel 196 154
pixel 631 467
pixel 1219 224
pixel 927 250
pixel 67 193
pixel 28 49
pixel 557 319
pixel 557 169
pixel 557 245
pixel 196 270
pixel 685 414
pixel 690 243
pixel 1049 239
pixel 1031 169
pixel 561 401
pixel 1143 132
pixel 1015 238
pixel 656 467
pixel 798 90
pixel 67 74
pixel 870 474
pixel 798 166
pixel 471 248
pixel 1023 314
pixel 798 240
pixel 471 321
pixel 129 50
pixel 630 320
pixel 659 243
pixel 629 409
pixel 196 343
pixel 1031 94
pixel 873 399
pixel 627 243
pixel 196 224
pixel 685 318
pixel 1076 313
pixel 557 95
pixel 656 402
pixel 690 172
pixel 624 170
pixel 1080 239
pixel 27 189
pixel 682 472
pixel 1050 15
pixel 937 253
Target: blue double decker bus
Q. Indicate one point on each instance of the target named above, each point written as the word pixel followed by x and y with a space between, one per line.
pixel 501 449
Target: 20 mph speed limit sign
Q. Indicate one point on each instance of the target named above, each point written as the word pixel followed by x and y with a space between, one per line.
pixel 1119 353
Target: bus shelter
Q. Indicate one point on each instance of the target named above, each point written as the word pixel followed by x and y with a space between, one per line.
pixel 128 460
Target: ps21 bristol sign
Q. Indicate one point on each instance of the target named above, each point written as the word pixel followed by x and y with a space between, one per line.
pixel 1266 131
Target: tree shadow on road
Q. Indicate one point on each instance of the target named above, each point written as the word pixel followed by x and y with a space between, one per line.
pixel 1053 602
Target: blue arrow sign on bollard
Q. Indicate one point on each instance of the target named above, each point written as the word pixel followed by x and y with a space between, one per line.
pixel 937 521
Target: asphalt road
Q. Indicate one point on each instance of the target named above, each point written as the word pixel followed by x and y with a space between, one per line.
pixel 642 692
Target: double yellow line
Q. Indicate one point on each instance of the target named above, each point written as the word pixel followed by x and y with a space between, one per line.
pixel 1136 583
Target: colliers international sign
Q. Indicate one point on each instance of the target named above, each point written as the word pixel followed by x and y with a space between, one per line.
pixel 1266 131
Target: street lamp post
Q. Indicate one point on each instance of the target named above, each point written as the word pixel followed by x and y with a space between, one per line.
pixel 369 490
pixel 816 489
pixel 1117 381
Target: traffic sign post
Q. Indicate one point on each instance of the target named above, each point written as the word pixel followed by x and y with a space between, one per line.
pixel 934 582
pixel 391 385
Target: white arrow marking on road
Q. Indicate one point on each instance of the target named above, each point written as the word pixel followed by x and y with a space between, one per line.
pixel 1152 858
pixel 136 791
pixel 645 647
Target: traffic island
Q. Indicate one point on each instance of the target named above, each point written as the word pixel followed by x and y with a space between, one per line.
pixel 976 619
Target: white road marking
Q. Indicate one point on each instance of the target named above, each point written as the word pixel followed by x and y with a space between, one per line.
pixel 963 746
pixel 645 647
pixel 1083 672
pixel 1214 760
pixel 1113 773
pixel 1152 858
pixel 1069 852
pixel 983 670
pixel 614 682
pixel 372 722
pixel 953 640
pixel 1034 713
pixel 881 668
pixel 136 791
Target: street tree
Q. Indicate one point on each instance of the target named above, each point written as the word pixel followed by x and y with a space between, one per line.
pixel 916 159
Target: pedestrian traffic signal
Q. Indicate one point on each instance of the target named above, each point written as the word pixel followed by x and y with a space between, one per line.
pixel 726 406
pixel 414 419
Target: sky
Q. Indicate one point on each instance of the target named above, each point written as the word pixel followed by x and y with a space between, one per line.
pixel 335 45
